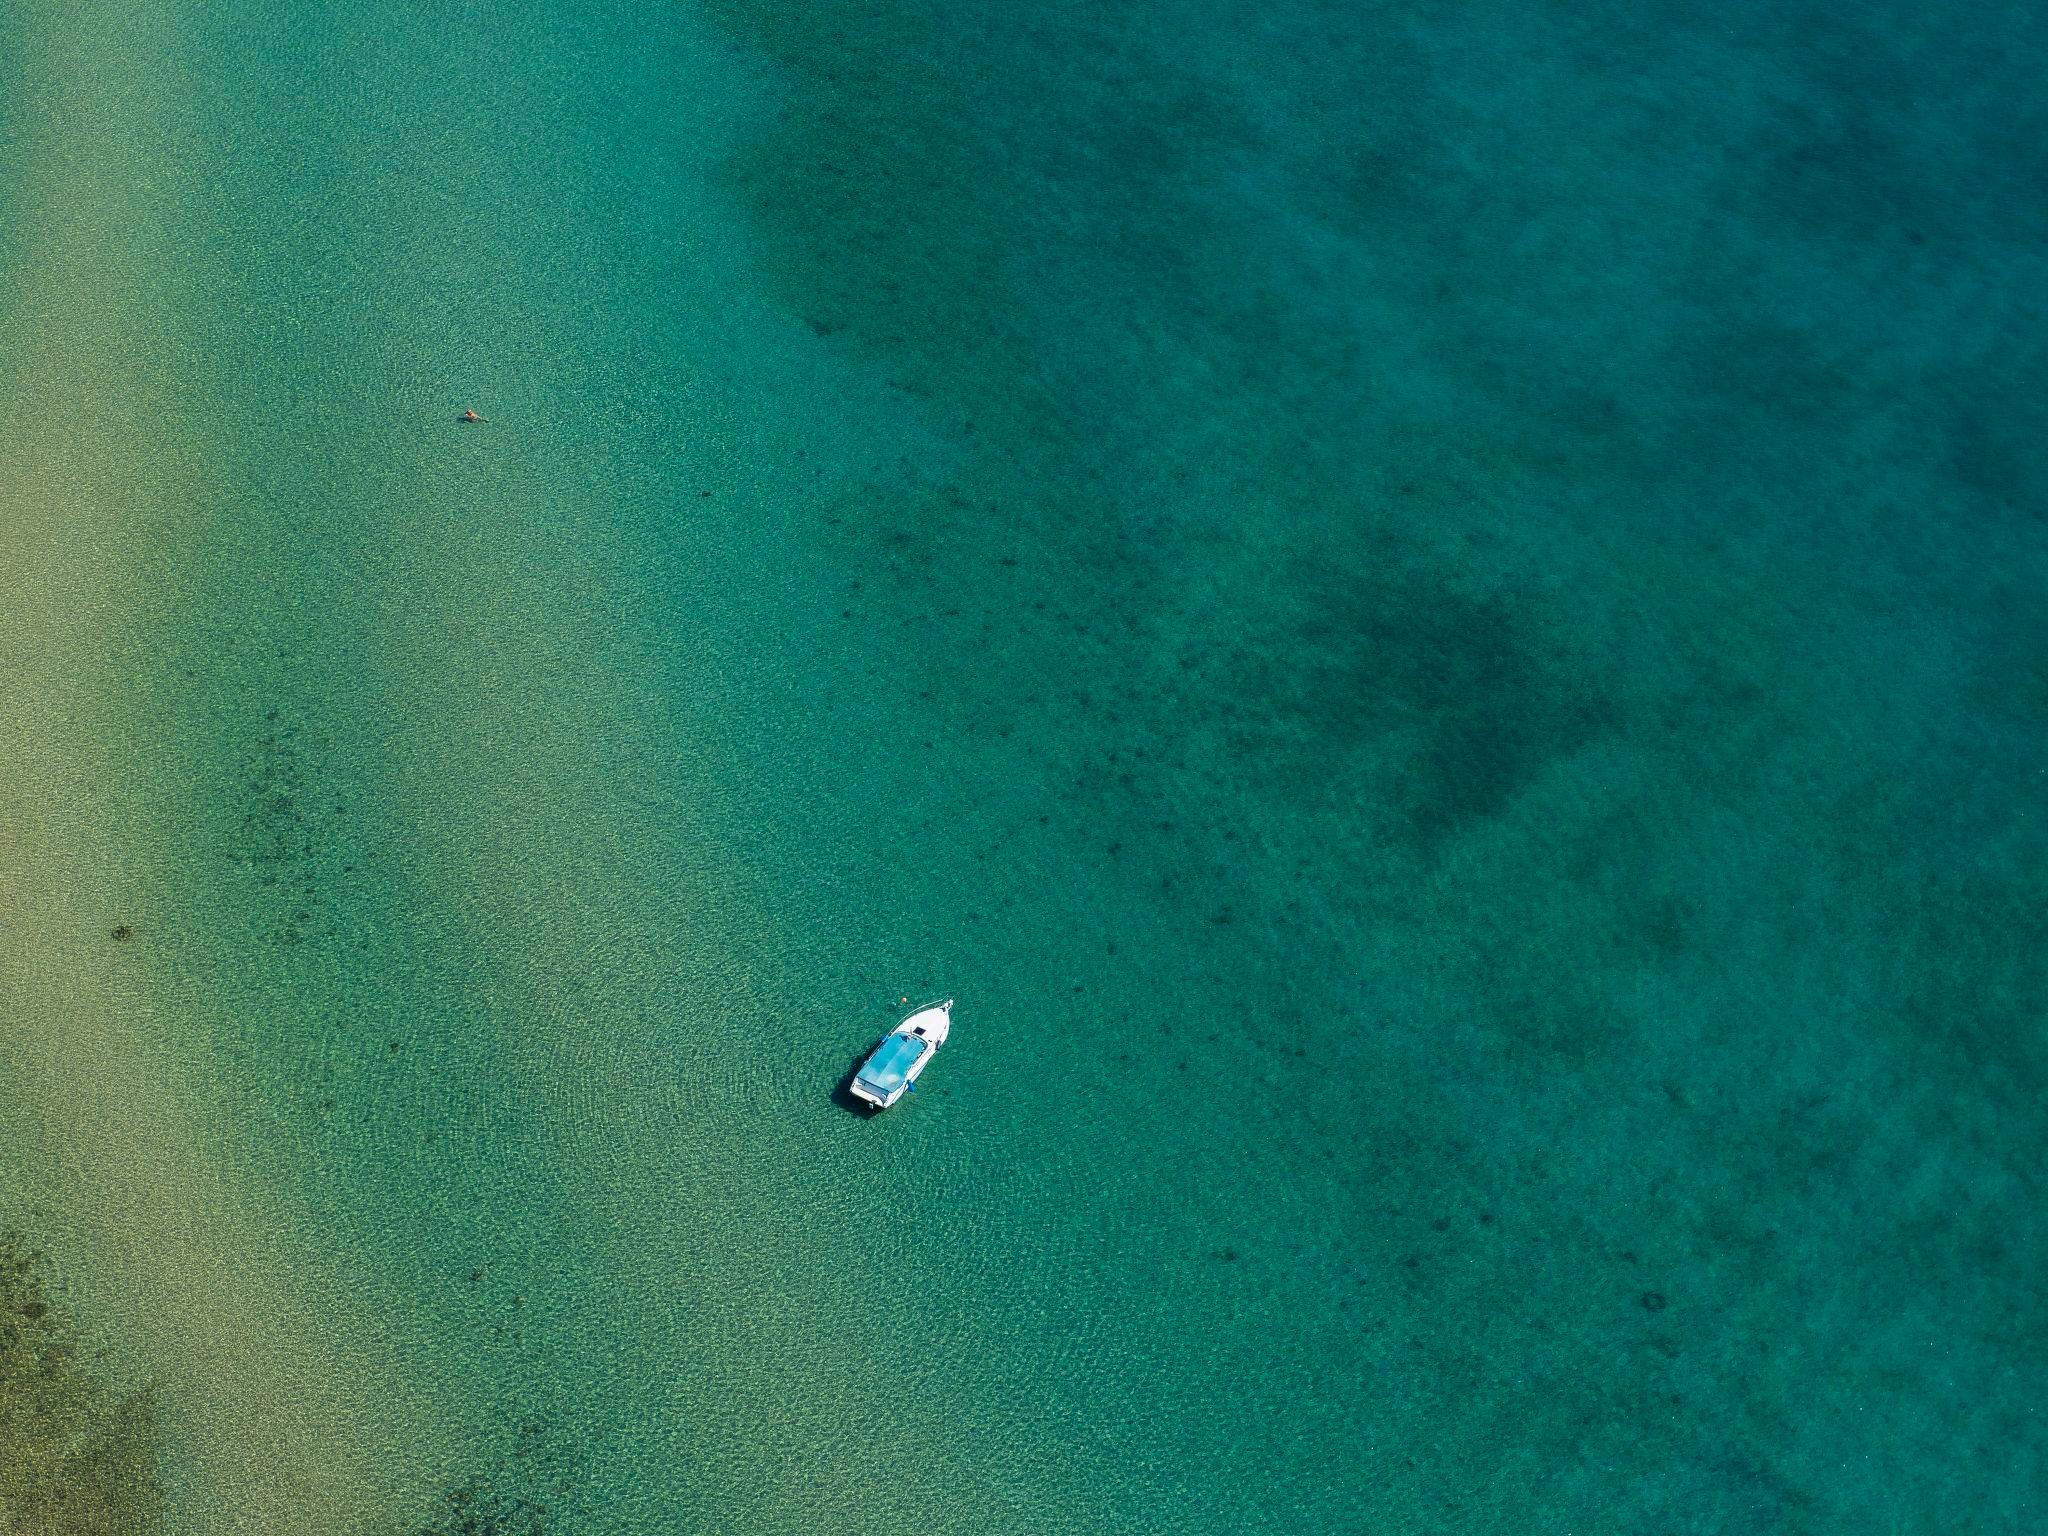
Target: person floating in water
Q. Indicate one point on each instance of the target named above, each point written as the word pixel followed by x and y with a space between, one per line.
pixel 470 417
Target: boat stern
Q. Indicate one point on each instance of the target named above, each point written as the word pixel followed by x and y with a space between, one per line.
pixel 872 1097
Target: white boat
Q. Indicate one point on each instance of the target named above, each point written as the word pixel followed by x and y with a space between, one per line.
pixel 892 1068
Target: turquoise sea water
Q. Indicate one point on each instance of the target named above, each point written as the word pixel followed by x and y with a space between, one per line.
pixel 1433 618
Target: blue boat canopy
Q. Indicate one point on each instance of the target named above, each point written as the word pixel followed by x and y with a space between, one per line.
pixel 886 1069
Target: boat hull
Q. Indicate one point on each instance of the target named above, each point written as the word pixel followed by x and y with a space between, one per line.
pixel 894 1066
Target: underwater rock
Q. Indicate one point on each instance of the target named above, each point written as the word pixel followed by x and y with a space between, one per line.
pixel 535 1490
pixel 477 1509
pixel 294 832
pixel 76 1457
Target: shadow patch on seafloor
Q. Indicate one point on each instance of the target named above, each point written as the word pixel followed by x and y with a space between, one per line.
pixel 293 834
pixel 77 1456
pixel 479 1508
pixel 535 1490
pixel 1389 686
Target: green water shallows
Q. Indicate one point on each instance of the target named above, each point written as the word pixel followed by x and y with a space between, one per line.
pixel 1452 603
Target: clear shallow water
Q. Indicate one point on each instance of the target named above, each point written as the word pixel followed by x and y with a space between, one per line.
pixel 1431 620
